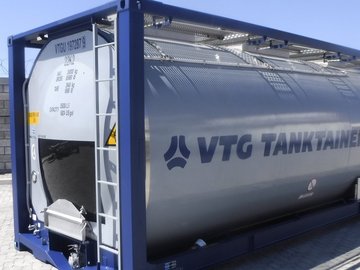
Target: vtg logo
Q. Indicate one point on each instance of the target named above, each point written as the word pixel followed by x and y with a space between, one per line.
pixel 177 142
pixel 241 145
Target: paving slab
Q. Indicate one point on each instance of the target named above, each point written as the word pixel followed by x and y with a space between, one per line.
pixel 10 258
pixel 5 179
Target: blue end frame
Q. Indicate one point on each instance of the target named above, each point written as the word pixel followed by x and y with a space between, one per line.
pixel 132 143
pixel 132 134
pixel 16 80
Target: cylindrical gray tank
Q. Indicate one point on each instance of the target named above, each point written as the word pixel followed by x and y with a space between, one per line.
pixel 232 139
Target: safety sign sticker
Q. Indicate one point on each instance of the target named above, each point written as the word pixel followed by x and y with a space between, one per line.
pixel 33 118
pixel 111 140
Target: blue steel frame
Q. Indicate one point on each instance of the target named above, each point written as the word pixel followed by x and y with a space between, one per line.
pixel 132 143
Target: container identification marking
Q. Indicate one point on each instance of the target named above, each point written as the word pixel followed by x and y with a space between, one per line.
pixel 33 118
pixel 74 44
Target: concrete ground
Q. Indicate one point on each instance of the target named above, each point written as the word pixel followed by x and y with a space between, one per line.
pixel 9 257
pixel 335 247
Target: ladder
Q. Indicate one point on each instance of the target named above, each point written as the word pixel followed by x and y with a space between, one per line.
pixel 101 149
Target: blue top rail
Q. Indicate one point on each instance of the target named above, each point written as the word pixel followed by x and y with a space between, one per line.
pixel 84 19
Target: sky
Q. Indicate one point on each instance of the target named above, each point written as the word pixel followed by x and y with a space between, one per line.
pixel 334 21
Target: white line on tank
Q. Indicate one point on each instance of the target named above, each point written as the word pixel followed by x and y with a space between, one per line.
pixel 312 184
pixel 33 153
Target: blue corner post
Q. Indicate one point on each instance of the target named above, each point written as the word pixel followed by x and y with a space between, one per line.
pixel 132 136
pixel 16 80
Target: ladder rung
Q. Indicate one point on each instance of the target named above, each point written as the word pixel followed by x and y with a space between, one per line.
pixel 107 216
pixel 105 80
pixel 105 149
pixel 104 45
pixel 106 114
pixel 107 183
pixel 112 250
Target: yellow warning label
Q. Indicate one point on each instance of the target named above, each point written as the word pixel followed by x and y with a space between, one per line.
pixel 111 140
pixel 33 118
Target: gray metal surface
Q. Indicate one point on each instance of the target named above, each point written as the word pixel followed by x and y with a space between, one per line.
pixel 205 102
pixel 66 97
pixel 64 218
pixel 212 166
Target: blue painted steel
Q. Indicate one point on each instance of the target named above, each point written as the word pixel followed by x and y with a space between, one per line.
pixel 16 80
pixel 43 253
pixel 110 259
pixel 132 140
pixel 252 240
pixel 67 25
